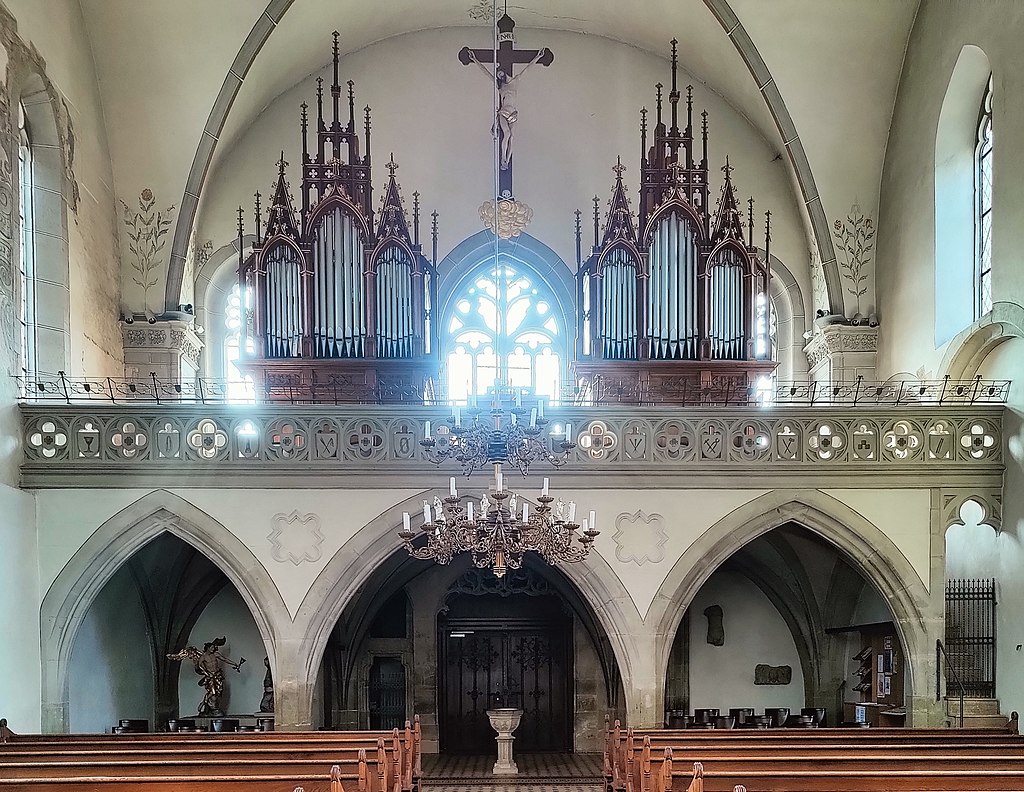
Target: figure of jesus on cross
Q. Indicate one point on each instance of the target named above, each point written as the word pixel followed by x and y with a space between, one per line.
pixel 508 88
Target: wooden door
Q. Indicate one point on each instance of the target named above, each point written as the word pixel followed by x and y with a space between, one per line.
pixel 528 666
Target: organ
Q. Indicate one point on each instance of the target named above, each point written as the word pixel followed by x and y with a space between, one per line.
pixel 340 299
pixel 674 296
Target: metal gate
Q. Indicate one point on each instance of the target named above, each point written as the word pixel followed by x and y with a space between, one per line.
pixel 387 694
pixel 971 636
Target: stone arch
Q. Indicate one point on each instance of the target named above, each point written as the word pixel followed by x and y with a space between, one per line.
pixel 791 315
pixel 916 614
pixel 967 351
pixel 955 144
pixel 817 224
pixel 343 576
pixel 68 599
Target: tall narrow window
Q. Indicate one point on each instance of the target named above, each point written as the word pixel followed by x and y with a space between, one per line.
pixel 27 307
pixel 236 326
pixel 983 203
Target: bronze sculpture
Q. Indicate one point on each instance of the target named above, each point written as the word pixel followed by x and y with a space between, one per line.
pixel 211 677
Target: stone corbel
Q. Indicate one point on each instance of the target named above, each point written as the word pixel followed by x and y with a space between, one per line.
pixel 166 348
pixel 990 499
pixel 841 353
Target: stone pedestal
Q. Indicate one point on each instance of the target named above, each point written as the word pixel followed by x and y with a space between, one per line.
pixel 168 348
pixel 505 721
pixel 840 353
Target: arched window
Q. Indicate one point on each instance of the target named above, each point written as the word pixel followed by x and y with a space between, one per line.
pixel 236 328
pixel 983 205
pixel 27 313
pixel 503 323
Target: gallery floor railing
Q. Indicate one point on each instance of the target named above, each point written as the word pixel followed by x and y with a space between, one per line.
pixel 599 392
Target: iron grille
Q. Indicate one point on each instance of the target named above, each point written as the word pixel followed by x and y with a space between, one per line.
pixel 971 635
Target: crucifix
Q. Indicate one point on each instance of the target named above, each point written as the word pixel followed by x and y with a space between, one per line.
pixel 508 86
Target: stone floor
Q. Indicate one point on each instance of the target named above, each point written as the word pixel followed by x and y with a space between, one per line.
pixel 540 772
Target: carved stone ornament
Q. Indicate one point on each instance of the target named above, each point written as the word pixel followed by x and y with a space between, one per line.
pixel 989 499
pixel 640 538
pixel 509 221
pixel 834 339
pixel 478 582
pixel 296 538
pixel 772 675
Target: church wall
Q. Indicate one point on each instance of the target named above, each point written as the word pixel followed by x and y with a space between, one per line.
pixel 575 118
pixel 111 668
pixel 19 615
pixel 755 632
pixel 57 30
pixel 227 615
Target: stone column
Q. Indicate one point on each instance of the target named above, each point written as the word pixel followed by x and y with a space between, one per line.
pixel 166 348
pixel 293 686
pixel 842 353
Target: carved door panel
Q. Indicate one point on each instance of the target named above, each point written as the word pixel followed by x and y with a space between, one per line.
pixel 527 667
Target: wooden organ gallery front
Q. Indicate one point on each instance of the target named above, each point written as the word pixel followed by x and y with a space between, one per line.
pixel 675 297
pixel 341 298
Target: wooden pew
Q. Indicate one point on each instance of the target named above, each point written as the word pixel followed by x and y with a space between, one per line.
pixel 152 762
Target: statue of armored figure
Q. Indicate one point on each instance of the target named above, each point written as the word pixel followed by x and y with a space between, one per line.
pixel 208 664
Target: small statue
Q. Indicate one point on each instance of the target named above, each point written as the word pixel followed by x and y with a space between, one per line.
pixel 211 677
pixel 267 704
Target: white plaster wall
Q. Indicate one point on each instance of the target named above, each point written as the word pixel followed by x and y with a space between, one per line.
pixel 906 233
pixel 111 671
pixel 19 612
pixel 227 615
pixel 755 632
pixel 434 114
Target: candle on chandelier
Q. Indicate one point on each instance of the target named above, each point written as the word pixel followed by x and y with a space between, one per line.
pixel 426 430
pixel 568 433
pixel 469 511
pixel 572 511
pixel 405 521
pixel 533 417
pixel 584 526
pixel 544 489
pixel 526 512
pixel 540 406
pixel 451 487
pixel 519 398
pixel 458 416
pixel 499 481
pixel 426 513
pixel 593 520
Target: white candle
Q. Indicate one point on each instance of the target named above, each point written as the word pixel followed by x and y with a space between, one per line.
pixel 405 521
pixel 519 398
pixel 426 512
pixel 572 511
pixel 544 490
pixel 426 430
pixel 469 511
pixel 458 416
pixel 584 526
pixel 533 417
pixel 499 481
pixel 526 512
pixel 593 520
pixel 540 405
pixel 568 433
pixel 451 487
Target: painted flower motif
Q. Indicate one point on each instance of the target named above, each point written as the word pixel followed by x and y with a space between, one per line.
pixel 147 194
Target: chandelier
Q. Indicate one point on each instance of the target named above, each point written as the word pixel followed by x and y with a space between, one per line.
pixel 518 443
pixel 501 531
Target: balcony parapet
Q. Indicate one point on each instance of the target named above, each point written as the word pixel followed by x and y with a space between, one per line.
pixel 98 444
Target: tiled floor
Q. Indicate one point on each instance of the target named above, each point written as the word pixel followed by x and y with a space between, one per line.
pixel 537 773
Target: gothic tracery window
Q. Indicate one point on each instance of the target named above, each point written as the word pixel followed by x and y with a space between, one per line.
pixel 983 205
pixel 502 324
pixel 27 246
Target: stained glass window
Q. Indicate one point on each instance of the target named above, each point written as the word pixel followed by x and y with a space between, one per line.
pixel 983 203
pixel 502 325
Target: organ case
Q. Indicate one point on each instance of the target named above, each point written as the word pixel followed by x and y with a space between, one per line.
pixel 340 302
pixel 675 296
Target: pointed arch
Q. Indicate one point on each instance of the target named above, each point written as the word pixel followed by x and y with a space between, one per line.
pixel 351 567
pixel 869 549
pixel 72 592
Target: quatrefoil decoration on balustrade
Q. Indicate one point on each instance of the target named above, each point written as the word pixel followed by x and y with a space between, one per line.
pixel 597 441
pixel 902 441
pixel 673 440
pixel 48 440
pixel 208 440
pixel 979 442
pixel 129 439
pixel 286 439
pixel 826 442
pixel 366 440
pixel 751 441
